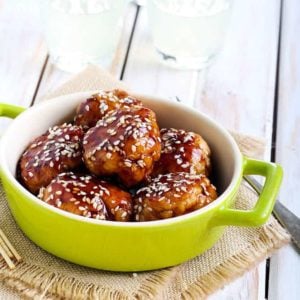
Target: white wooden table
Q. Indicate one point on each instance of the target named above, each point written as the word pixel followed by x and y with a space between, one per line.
pixel 253 87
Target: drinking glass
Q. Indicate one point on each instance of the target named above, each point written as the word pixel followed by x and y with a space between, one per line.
pixel 188 33
pixel 79 32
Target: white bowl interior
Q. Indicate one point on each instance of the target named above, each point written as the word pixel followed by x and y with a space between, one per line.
pixel 35 121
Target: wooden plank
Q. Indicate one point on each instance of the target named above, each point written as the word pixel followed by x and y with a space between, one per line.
pixel 22 56
pixel 22 52
pixel 239 87
pixel 238 90
pixel 285 266
pixel 53 77
pixel 249 287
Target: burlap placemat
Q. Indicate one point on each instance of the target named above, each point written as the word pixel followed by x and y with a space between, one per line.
pixel 43 276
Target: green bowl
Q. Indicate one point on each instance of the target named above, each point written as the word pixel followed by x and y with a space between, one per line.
pixel 141 246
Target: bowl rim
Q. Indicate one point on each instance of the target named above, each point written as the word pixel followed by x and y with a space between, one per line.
pixel 57 100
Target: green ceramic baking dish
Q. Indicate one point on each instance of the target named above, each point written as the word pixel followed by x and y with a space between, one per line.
pixel 132 246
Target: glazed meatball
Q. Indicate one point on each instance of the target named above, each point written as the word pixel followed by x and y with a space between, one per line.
pixel 95 108
pixel 88 196
pixel 125 143
pixel 56 151
pixel 182 151
pixel 172 195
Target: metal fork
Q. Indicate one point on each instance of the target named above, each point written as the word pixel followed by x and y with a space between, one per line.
pixel 8 252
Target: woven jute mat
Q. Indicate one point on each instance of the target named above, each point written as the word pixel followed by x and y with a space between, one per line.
pixel 44 276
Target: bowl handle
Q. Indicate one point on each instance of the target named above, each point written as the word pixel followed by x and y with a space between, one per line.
pixel 265 203
pixel 10 111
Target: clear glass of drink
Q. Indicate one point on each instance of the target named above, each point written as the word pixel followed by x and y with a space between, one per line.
pixel 188 34
pixel 79 32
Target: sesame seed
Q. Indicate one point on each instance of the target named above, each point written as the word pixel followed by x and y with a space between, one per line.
pixel 58 203
pixel 127 163
pixel 179 161
pixel 141 163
